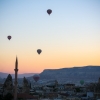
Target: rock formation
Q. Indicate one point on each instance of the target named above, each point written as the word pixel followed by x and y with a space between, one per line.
pixel 8 85
pixel 26 86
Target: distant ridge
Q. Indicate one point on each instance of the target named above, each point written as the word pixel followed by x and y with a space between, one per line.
pixel 4 75
pixel 74 74
pixel 73 67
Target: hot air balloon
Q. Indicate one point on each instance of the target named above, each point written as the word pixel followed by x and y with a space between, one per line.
pixel 39 51
pixel 49 11
pixel 36 77
pixel 9 37
pixel 81 82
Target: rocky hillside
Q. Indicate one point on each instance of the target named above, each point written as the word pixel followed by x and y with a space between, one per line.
pixel 86 73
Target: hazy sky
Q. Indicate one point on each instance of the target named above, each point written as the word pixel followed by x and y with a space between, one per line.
pixel 69 37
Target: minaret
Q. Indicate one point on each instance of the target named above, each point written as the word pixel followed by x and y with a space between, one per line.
pixel 16 70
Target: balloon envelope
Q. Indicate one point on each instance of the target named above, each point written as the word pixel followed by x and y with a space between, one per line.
pixel 49 11
pixel 9 37
pixel 39 51
pixel 81 82
pixel 36 77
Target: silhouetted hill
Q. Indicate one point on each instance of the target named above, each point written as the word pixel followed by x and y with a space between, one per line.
pixel 75 74
pixel 86 73
pixel 4 75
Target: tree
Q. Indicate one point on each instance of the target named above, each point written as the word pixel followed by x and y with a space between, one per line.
pixel 1 97
pixel 8 96
pixel 77 89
